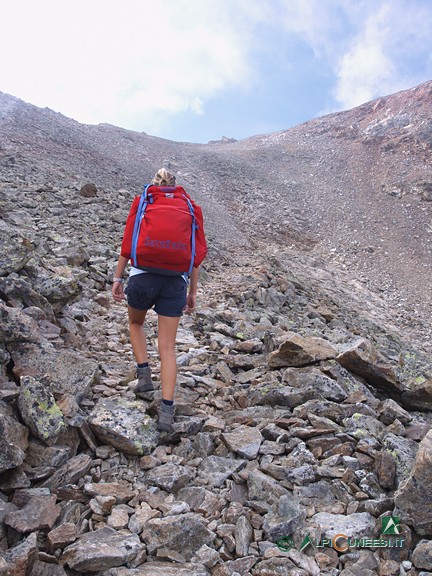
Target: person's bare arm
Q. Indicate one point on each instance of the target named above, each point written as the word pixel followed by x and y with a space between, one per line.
pixel 193 286
pixel 117 287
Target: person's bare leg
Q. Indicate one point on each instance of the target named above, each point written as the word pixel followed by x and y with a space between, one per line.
pixel 145 387
pixel 167 332
pixel 137 334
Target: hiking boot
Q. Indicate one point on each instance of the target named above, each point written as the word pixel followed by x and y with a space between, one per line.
pixel 166 417
pixel 145 388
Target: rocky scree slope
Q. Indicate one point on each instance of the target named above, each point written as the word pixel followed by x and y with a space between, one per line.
pixel 352 187
pixel 300 411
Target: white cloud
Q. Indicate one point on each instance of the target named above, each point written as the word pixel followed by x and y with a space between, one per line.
pixel 135 63
pixel 374 47
pixel 366 68
pixel 378 59
pixel 139 63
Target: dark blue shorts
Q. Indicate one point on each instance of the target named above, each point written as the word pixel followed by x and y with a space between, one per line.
pixel 166 293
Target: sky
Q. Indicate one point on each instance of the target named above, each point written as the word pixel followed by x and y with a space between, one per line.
pixel 198 70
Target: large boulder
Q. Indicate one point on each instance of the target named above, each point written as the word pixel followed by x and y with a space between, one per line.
pixel 183 533
pixel 58 286
pixel 356 525
pixel 162 569
pixel 13 439
pixel 362 358
pixel 414 497
pixel 39 410
pixel 15 250
pixel 100 550
pixel 20 559
pixel 18 291
pixel 285 517
pixel 62 371
pixel 39 513
pixel 215 470
pixel 417 394
pixel 125 425
pixel 15 326
pixel 298 351
pixel 244 441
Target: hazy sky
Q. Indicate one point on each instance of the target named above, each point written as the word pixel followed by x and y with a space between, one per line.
pixel 197 70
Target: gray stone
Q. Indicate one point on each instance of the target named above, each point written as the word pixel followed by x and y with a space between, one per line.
pixel 417 394
pixel 299 351
pixel 201 500
pixel 40 455
pixel 161 569
pixel 184 533
pixel 18 290
pixel 389 411
pixel 22 497
pixel 62 371
pixel 284 518
pixel 243 536
pixel 203 444
pixel 20 559
pixel 403 451
pixel 216 469
pixel 415 494
pixel 57 288
pixel 360 426
pixel 313 377
pixel 16 251
pixel 356 525
pixel 122 492
pixel 39 410
pixel 241 566
pixel 422 555
pixel 278 395
pixel 316 494
pixel 302 475
pixel 244 441
pixel 14 480
pixel 362 358
pixel 170 477
pixel 13 439
pixel 46 569
pixel 100 550
pixel 15 326
pixel 278 567
pixel 39 513
pixel 125 425
pixel 206 556
pixel 68 473
pixel 262 487
pixel 185 426
pixel 325 408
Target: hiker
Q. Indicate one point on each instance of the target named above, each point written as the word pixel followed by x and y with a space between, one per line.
pixel 164 239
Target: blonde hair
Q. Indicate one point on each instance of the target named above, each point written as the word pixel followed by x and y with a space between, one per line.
pixel 164 178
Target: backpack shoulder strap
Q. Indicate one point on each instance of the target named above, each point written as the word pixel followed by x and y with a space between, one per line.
pixel 143 203
pixel 193 231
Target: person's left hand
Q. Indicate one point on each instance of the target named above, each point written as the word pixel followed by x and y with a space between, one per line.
pixel 117 292
pixel 190 303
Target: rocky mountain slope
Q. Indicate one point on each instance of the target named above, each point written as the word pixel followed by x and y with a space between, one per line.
pixel 353 187
pixel 304 397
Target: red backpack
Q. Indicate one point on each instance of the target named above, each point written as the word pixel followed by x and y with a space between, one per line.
pixel 164 232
